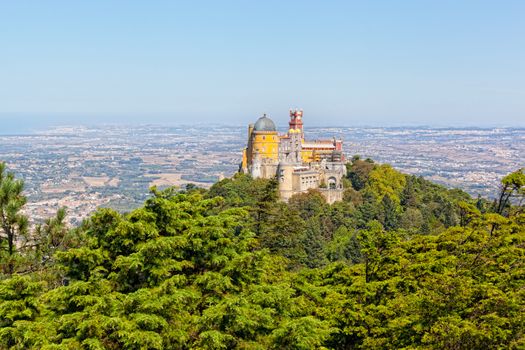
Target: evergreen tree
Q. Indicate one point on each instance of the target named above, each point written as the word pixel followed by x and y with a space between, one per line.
pixel 512 186
pixel 189 271
pixel 13 223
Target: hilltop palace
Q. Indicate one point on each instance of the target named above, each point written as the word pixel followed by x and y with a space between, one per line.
pixel 298 164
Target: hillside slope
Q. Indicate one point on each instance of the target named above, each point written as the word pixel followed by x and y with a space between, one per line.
pixel 400 263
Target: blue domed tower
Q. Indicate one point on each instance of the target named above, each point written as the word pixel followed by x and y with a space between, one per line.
pixel 261 156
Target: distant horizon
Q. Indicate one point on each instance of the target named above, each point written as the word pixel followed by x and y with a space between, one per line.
pixel 41 126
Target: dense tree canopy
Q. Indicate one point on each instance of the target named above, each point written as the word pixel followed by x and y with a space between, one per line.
pixel 400 263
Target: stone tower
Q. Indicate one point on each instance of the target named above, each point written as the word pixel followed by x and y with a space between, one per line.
pixel 298 165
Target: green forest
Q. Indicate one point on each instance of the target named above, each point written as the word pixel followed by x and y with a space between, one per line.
pixel 400 263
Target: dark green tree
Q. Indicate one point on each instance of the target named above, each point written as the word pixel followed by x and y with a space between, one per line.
pixel 13 223
pixel 358 172
pixel 512 185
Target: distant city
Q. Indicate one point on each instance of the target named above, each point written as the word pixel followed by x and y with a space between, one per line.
pixel 84 168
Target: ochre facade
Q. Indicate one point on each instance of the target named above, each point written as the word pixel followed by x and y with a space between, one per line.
pixel 298 164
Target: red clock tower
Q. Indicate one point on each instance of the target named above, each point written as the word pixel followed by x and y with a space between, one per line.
pixel 296 120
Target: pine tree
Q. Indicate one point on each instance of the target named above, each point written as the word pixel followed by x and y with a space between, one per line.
pixel 13 224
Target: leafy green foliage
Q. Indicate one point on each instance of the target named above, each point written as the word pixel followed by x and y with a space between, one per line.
pixel 401 201
pixel 512 187
pixel 21 249
pixel 358 172
pixel 13 224
pixel 400 263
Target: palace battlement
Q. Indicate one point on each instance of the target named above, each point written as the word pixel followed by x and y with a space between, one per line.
pixel 298 164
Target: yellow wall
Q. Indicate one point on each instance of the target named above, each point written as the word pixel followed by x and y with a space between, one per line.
pixel 310 155
pixel 266 144
pixel 244 164
pixel 307 155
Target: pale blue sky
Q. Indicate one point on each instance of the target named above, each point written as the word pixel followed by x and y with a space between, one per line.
pixel 456 62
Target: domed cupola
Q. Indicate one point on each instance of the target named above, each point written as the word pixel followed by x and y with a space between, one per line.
pixel 264 124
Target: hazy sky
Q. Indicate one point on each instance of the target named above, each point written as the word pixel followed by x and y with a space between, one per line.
pixel 456 62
